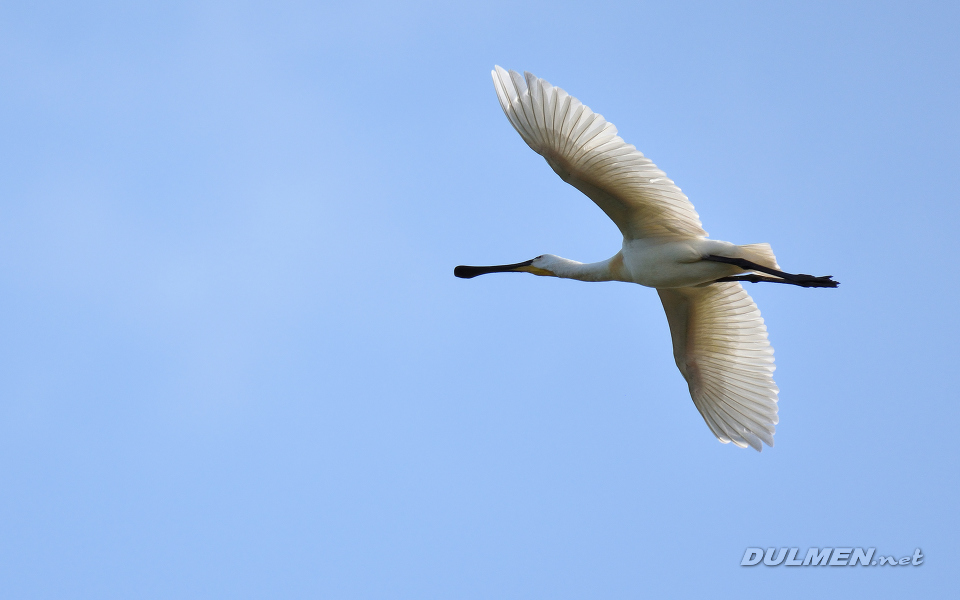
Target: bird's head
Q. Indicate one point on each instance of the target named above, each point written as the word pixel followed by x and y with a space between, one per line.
pixel 540 265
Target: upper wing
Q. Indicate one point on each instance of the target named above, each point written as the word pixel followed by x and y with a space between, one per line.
pixel 720 344
pixel 586 152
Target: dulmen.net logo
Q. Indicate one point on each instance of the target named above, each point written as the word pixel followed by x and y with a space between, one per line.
pixel 827 557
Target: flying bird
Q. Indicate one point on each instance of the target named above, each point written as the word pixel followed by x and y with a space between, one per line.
pixel 719 338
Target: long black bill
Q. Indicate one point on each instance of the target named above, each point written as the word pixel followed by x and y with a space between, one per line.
pixel 464 272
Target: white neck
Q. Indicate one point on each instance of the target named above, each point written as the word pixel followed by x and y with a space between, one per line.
pixel 605 270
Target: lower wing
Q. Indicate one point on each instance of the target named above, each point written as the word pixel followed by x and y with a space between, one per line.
pixel 721 347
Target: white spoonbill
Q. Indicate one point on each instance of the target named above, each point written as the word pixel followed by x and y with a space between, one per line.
pixel 719 339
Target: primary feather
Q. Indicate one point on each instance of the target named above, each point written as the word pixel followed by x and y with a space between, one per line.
pixel 586 152
pixel 721 348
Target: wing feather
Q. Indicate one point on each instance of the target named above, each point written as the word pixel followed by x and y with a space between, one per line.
pixel 585 150
pixel 721 347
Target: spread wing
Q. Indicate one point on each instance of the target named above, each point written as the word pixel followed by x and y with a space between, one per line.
pixel 586 152
pixel 720 344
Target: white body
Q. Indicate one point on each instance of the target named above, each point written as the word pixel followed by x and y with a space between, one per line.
pixel 660 263
pixel 676 264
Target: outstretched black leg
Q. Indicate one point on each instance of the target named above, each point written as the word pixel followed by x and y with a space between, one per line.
pixel 800 279
pixel 759 279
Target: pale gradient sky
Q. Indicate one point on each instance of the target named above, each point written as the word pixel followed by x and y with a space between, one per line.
pixel 235 362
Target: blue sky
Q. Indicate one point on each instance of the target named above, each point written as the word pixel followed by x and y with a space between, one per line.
pixel 235 362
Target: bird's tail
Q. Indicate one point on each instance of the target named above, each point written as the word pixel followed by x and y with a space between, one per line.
pixel 762 254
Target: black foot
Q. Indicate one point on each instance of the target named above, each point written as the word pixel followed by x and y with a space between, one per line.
pixel 815 282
